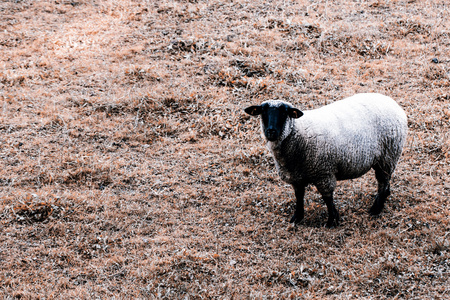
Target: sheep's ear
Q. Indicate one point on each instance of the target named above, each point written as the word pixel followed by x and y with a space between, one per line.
pixel 254 110
pixel 294 113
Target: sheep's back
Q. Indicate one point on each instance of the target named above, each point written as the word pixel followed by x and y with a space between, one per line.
pixel 349 136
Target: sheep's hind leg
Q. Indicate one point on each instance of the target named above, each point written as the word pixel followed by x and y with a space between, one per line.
pixel 299 207
pixel 383 178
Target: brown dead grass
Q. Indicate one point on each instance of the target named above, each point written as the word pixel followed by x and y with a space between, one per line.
pixel 129 170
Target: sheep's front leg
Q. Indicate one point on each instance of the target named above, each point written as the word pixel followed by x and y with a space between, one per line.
pixel 333 214
pixel 299 207
pixel 326 189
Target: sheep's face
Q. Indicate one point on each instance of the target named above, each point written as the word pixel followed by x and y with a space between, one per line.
pixel 275 118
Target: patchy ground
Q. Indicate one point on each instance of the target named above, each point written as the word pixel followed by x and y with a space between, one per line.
pixel 128 169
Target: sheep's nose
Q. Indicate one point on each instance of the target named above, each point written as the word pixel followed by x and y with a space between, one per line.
pixel 271 134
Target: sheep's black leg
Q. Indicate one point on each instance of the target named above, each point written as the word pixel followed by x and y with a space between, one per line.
pixel 333 214
pixel 383 178
pixel 299 207
pixel 326 189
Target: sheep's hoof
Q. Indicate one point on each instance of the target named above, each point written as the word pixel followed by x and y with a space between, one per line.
pixel 296 218
pixel 332 223
pixel 377 206
pixel 333 220
pixel 375 210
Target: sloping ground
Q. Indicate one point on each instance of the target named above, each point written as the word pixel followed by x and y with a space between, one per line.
pixel 129 170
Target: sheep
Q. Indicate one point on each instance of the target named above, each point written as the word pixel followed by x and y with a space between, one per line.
pixel 339 141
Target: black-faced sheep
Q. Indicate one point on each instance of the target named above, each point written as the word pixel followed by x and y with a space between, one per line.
pixel 339 141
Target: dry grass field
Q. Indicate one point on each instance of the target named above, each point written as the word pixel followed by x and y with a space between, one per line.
pixel 129 170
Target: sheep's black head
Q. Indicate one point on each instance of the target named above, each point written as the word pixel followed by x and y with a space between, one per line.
pixel 275 117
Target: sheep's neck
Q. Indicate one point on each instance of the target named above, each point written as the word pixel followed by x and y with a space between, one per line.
pixel 288 155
